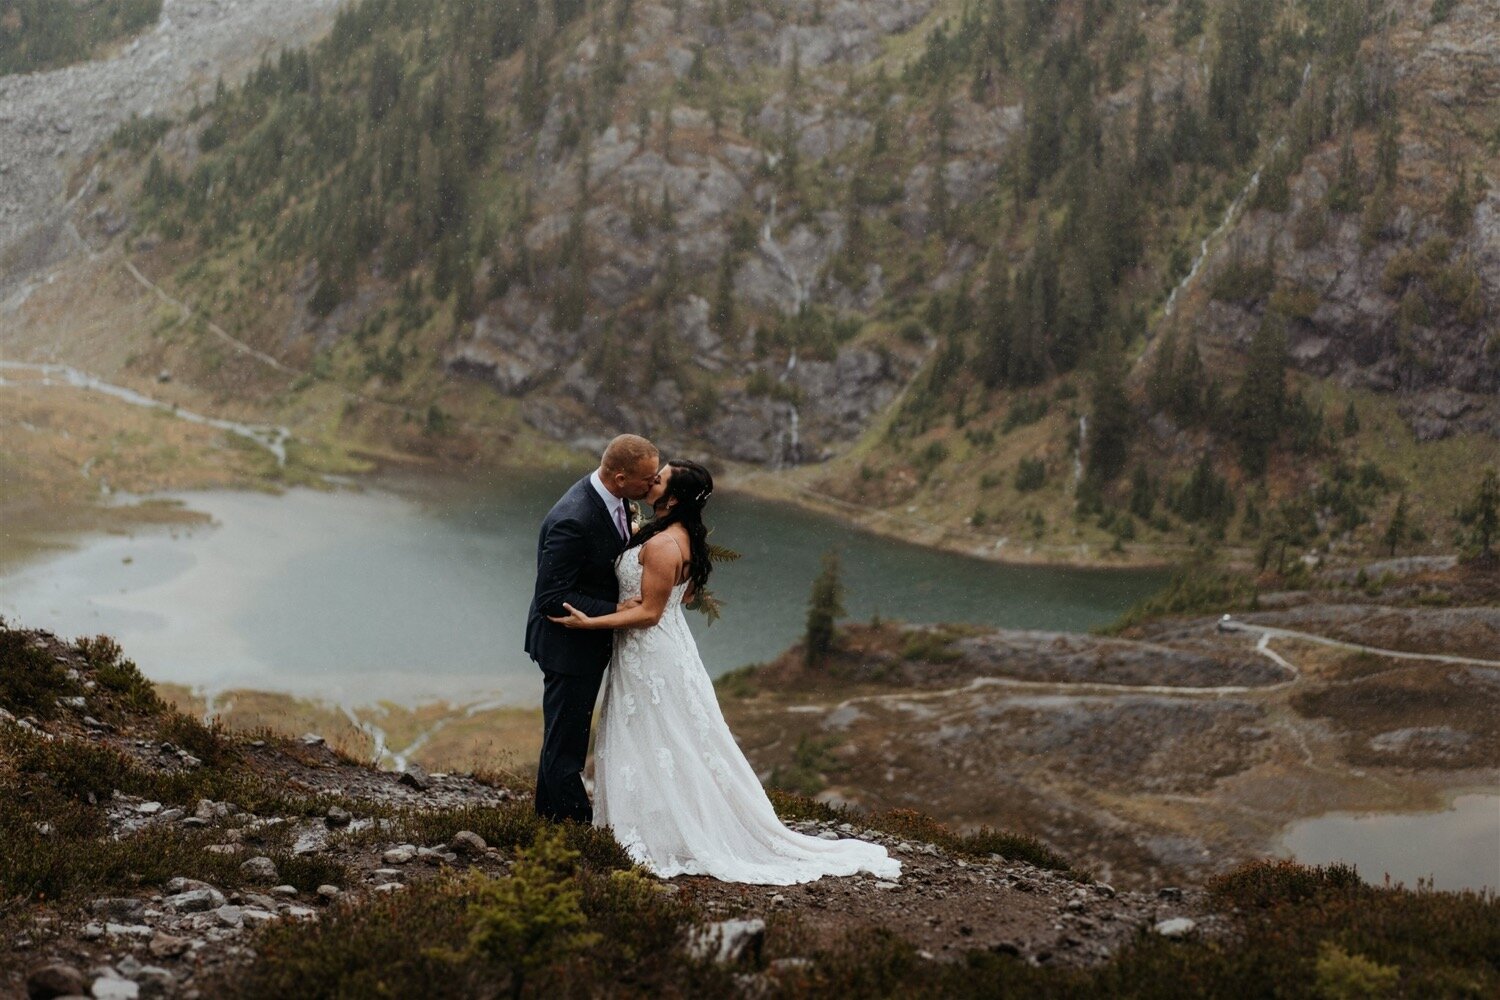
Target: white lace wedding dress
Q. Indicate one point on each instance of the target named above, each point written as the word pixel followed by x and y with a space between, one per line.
pixel 672 783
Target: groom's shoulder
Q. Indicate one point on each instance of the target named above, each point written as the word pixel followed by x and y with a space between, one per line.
pixel 573 502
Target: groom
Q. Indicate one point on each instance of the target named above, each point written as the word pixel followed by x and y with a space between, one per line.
pixel 575 562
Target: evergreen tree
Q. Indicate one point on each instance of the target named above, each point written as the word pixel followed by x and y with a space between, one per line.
pixel 1399 529
pixel 1111 419
pixel 996 321
pixel 722 315
pixel 1260 404
pixel 1482 514
pixel 824 607
pixel 1351 420
pixel 1161 380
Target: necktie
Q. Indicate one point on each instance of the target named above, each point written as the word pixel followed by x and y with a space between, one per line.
pixel 621 523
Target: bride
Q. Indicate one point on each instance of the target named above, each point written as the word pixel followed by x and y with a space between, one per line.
pixel 668 776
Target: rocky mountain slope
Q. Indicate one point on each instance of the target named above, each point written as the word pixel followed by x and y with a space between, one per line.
pixel 146 855
pixel 49 120
pixel 1084 281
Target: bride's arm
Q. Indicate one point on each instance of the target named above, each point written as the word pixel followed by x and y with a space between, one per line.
pixel 661 563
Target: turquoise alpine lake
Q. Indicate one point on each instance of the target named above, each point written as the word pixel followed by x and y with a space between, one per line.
pixel 415 589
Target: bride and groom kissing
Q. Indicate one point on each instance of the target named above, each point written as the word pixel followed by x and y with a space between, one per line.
pixel 669 779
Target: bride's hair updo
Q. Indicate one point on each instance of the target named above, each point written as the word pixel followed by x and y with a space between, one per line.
pixel 690 485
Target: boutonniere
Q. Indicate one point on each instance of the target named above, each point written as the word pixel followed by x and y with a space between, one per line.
pixel 634 510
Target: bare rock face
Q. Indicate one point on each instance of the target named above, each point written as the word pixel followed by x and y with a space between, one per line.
pixel 1443 362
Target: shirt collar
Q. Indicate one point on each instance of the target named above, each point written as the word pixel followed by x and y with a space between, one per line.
pixel 611 501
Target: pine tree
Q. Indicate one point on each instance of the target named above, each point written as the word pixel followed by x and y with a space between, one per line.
pixel 996 324
pixel 1351 420
pixel 722 315
pixel 1482 514
pixel 1260 404
pixel 1111 418
pixel 1399 529
pixel 1161 381
pixel 825 606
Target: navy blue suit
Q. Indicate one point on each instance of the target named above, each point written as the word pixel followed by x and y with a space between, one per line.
pixel 575 563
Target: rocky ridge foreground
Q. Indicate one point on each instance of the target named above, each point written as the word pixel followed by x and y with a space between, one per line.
pixel 343 822
pixel 50 119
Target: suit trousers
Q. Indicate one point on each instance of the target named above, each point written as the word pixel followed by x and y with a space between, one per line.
pixel 567 715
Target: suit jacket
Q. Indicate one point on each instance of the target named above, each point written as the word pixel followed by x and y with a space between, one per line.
pixel 575 562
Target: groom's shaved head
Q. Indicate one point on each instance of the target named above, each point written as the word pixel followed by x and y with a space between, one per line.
pixel 627 453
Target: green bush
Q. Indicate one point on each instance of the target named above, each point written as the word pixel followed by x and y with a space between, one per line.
pixel 31 680
pixel 1031 475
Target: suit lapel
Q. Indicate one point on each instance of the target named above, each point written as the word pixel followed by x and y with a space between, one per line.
pixel 596 503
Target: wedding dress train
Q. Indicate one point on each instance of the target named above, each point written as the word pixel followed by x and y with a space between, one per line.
pixel 672 783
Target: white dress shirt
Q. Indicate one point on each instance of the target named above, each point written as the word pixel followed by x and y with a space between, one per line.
pixel 614 503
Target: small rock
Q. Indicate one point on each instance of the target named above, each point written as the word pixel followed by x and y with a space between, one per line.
pixel 56 980
pixel 128 930
pixel 129 967
pixel 389 887
pixel 1176 927
pixel 77 701
pixel 156 979
pixel 256 917
pixel 301 913
pixel 329 892
pixel 95 724
pixel 148 808
pixel 230 916
pixel 728 941
pixel 194 821
pixel 118 908
pixel 399 855
pixel 337 817
pixel 415 777
pixel 181 884
pixel 261 870
pixel 165 945
pixel 828 835
pixel 468 842
pixel 1171 893
pixel 1105 889
pixel 387 875
pixel 887 885
pixel 284 891
pixel 109 988
pixel 91 931
pixel 195 901
pixel 312 740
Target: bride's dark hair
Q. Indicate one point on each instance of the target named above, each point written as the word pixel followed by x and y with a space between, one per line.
pixel 690 485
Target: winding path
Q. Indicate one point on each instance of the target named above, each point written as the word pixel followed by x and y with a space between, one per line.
pixel 1262 646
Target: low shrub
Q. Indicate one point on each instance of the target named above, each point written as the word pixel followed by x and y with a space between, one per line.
pixel 31 680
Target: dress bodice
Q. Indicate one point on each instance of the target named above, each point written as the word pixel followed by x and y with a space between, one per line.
pixel 629 571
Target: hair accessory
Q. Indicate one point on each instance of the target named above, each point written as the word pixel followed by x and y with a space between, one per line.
pixel 703 496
